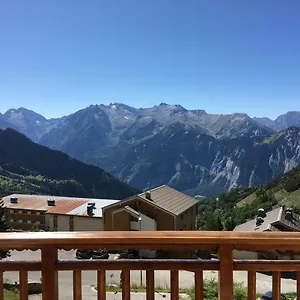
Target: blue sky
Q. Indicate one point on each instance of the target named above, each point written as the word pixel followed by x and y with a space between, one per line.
pixel 222 56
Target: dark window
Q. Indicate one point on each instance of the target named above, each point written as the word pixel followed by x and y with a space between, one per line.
pixel 133 219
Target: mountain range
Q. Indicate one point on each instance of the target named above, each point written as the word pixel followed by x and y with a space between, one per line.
pixel 191 150
pixel 26 167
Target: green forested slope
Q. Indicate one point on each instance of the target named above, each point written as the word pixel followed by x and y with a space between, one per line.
pixel 240 205
pixel 26 167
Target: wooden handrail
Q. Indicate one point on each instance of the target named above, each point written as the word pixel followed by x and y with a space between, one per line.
pixel 152 240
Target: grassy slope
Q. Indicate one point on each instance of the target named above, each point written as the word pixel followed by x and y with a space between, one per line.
pixel 240 205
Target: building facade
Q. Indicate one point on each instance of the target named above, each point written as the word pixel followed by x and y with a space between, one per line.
pixel 51 213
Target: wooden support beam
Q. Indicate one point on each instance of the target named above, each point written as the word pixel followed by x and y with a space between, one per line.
pixel 174 285
pixel 125 285
pixel 199 285
pixel 77 285
pixel 251 285
pixel 150 286
pixel 49 274
pixel 276 285
pixel 101 285
pixel 226 273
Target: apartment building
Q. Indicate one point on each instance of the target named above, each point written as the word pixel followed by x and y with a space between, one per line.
pixel 52 213
pixel 162 208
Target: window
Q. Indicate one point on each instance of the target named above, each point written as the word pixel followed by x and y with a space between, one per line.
pixel 55 217
pixel 12 211
pixel 25 212
pixel 72 218
pixel 33 212
pixel 42 213
pixel 12 220
pixel 38 222
pixel 29 221
pixel 42 223
pixel 20 221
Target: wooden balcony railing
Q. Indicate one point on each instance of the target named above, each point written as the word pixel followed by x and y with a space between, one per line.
pixel 226 242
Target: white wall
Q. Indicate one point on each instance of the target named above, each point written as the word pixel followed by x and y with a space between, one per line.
pixel 88 224
pixel 63 223
pixel 147 224
pixel 80 223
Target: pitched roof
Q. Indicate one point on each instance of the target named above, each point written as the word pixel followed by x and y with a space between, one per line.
pixel 170 199
pixel 273 218
pixel 63 205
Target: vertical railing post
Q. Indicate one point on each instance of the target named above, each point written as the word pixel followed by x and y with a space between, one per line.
pixel 49 274
pixel 23 280
pixel 199 295
pixel 276 285
pixel 251 285
pixel 1 286
pixel 150 285
pixel 298 285
pixel 174 285
pixel 101 284
pixel 77 285
pixel 226 273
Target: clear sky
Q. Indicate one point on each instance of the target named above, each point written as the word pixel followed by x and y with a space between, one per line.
pixel 222 56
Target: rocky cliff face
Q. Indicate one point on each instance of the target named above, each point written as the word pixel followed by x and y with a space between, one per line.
pixel 188 160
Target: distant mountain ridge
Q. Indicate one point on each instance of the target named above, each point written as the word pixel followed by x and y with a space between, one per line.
pixel 28 122
pixel 168 144
pixel 291 118
pixel 26 167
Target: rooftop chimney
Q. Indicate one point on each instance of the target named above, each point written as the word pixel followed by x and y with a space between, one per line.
pixel 90 208
pixel 51 202
pixel 148 195
pixel 14 200
pixel 261 213
pixel 259 221
pixel 289 214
